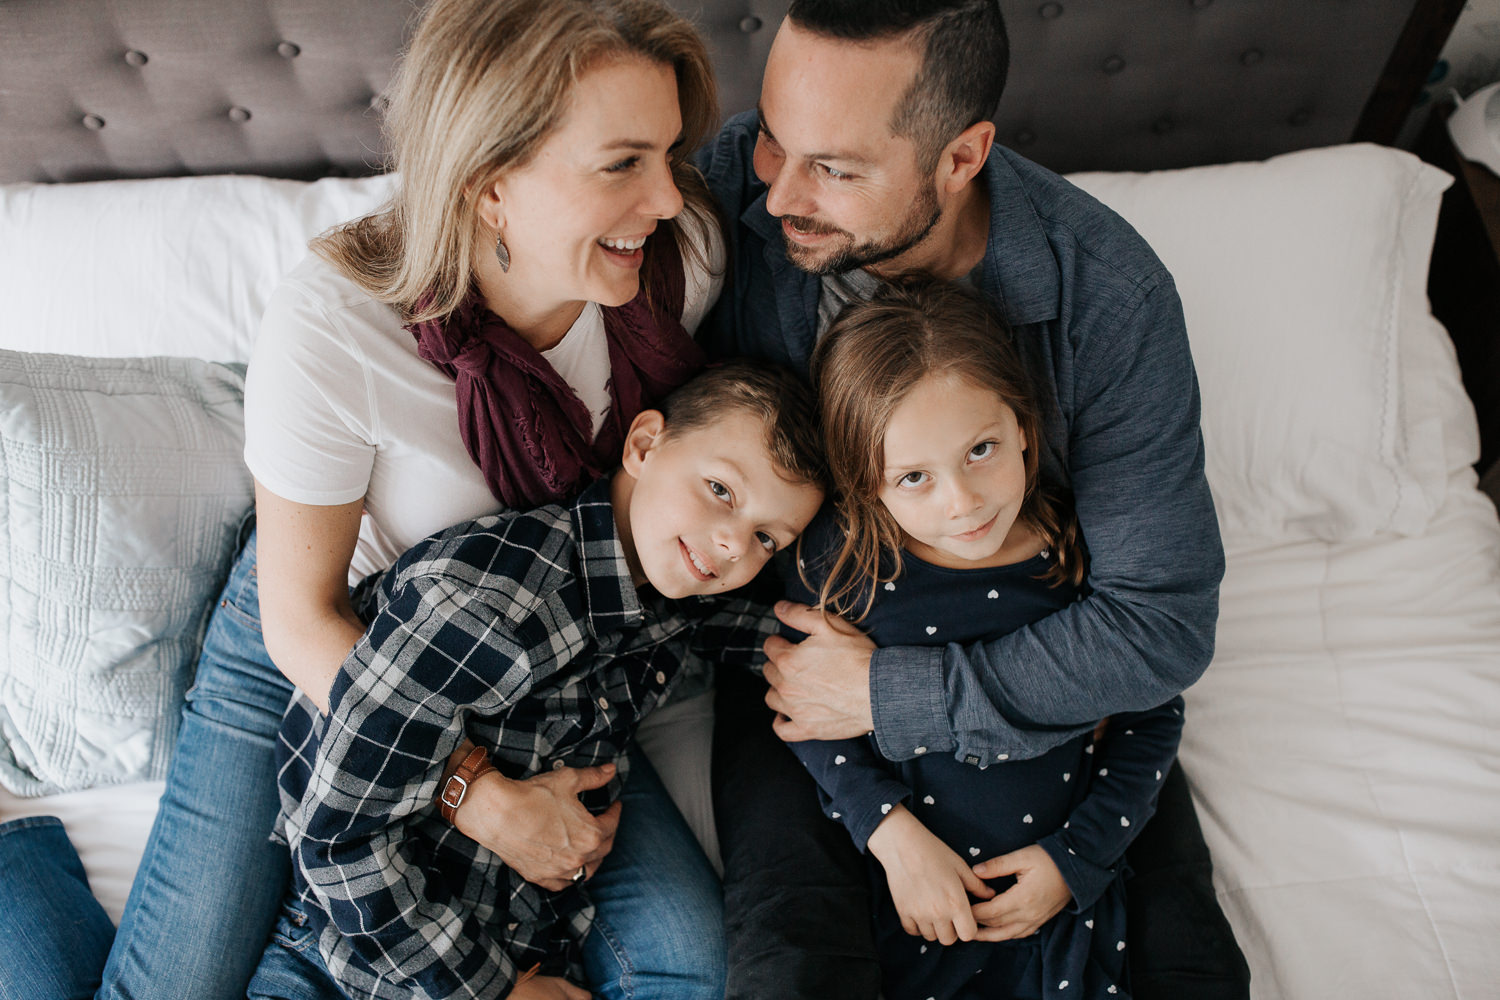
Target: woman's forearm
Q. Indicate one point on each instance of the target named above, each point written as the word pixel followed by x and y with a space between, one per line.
pixel 309 651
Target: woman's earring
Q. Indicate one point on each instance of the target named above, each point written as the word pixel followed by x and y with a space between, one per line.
pixel 502 253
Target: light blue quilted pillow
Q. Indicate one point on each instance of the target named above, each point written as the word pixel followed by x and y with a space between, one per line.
pixel 122 483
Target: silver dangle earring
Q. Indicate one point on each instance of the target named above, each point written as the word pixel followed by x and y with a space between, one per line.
pixel 502 253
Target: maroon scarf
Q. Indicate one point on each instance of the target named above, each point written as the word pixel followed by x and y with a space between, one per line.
pixel 525 427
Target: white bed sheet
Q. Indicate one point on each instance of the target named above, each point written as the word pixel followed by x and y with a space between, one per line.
pixel 1344 757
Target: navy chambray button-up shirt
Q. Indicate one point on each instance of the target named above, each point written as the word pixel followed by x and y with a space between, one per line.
pixel 524 633
pixel 1099 325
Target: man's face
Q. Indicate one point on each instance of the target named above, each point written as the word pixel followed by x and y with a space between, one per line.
pixel 847 191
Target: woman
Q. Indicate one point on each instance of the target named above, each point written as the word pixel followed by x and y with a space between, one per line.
pixel 482 342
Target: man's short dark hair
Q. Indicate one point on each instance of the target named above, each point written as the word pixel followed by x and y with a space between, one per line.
pixel 965 61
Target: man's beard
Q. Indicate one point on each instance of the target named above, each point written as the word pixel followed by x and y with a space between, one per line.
pixel 919 222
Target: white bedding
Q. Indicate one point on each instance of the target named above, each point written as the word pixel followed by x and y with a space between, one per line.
pixel 1343 755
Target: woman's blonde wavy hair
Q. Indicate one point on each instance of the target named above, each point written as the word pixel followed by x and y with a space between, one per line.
pixel 872 357
pixel 482 86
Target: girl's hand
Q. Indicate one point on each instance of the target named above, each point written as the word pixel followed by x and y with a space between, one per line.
pixel 537 826
pixel 1040 893
pixel 930 884
pixel 548 988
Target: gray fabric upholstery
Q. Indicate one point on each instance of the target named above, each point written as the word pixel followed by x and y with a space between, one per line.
pixel 92 89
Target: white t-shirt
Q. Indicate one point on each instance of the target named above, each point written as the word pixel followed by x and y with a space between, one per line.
pixel 338 405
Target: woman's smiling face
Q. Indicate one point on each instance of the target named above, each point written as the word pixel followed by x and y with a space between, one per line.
pixel 577 214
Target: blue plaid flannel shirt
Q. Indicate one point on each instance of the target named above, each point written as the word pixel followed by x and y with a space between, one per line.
pixel 524 633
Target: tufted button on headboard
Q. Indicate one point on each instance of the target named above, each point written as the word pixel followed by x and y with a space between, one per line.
pixel 94 89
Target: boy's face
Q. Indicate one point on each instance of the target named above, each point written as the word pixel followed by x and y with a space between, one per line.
pixel 706 507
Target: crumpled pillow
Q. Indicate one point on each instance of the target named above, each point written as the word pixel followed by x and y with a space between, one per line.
pixel 123 488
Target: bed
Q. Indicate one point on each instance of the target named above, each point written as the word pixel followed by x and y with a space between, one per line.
pixel 163 162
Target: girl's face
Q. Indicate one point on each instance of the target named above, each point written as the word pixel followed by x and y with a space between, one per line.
pixel 955 475
pixel 576 216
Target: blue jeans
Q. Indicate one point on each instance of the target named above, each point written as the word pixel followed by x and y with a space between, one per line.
pixel 210 882
pixel 657 935
pixel 54 936
pixel 659 913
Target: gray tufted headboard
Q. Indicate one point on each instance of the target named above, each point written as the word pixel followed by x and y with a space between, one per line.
pixel 94 89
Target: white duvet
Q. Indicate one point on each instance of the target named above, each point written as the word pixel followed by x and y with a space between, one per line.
pixel 1344 757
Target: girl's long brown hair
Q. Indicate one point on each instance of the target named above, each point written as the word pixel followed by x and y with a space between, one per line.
pixel 872 356
pixel 483 85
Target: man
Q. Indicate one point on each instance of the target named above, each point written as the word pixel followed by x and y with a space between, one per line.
pixel 870 154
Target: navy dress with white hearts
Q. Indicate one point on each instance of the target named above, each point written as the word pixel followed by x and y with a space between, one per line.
pixel 1082 802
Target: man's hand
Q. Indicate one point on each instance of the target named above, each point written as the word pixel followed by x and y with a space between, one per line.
pixel 930 883
pixel 820 687
pixel 1040 893
pixel 537 826
pixel 548 988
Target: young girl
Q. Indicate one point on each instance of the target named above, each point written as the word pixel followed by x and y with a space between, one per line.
pixel 942 533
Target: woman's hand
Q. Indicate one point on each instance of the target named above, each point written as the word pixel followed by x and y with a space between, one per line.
pixel 820 687
pixel 537 826
pixel 1040 893
pixel 548 988
pixel 930 884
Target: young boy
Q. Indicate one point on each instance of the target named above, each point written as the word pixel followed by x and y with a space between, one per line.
pixel 543 637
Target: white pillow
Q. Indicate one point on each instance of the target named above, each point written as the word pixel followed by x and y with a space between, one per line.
pixel 121 489
pixel 1325 385
pixel 181 266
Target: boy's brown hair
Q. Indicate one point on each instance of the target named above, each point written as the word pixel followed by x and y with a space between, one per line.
pixel 783 402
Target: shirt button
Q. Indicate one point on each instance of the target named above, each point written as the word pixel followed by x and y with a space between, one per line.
pixel 603 702
pixel 558 765
pixel 661 677
pixel 1004 756
pixel 920 750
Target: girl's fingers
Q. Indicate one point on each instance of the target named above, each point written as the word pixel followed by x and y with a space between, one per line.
pixel 965 927
pixel 1005 932
pixel 975 885
pixel 1005 864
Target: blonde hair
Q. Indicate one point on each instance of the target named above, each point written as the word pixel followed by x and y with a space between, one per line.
pixel 872 356
pixel 482 86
